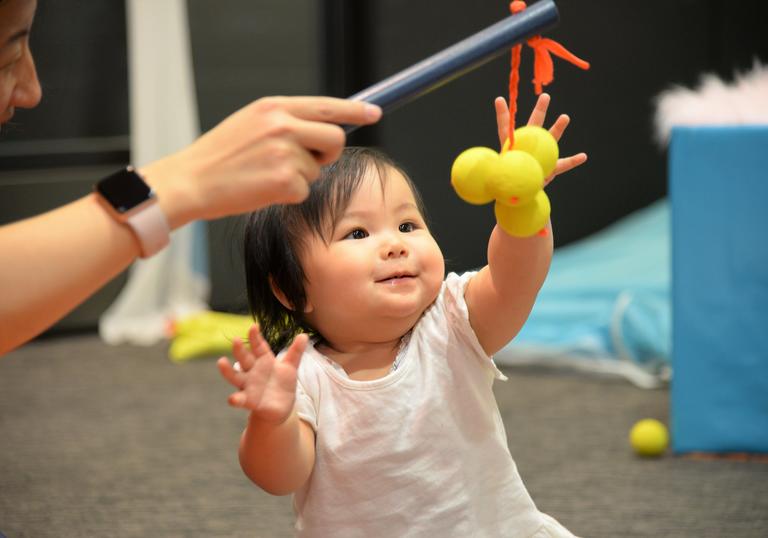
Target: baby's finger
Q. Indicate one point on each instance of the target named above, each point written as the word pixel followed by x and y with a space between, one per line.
pixel 229 374
pixel 565 164
pixel 569 163
pixel 294 353
pixel 237 399
pixel 539 111
pixel 502 119
pixel 259 346
pixel 558 128
pixel 244 356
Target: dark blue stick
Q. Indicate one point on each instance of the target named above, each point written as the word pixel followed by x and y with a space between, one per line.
pixel 458 59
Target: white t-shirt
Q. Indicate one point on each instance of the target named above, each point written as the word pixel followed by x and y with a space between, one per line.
pixel 420 452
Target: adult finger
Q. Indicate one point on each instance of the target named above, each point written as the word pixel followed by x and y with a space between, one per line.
pixel 307 160
pixel 539 112
pixel 329 109
pixel 296 350
pixel 325 141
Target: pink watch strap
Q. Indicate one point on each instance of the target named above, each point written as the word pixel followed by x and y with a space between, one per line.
pixel 151 228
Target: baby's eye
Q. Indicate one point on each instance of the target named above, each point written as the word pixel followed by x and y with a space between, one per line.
pixel 357 233
pixel 407 227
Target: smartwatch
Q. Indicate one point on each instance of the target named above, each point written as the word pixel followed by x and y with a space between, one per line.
pixel 132 202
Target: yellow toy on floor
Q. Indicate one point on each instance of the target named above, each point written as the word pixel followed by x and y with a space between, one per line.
pixel 649 437
pixel 206 334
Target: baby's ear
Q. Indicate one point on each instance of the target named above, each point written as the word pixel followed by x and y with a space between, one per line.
pixel 278 293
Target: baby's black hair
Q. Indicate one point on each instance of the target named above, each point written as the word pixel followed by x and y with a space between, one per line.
pixel 274 238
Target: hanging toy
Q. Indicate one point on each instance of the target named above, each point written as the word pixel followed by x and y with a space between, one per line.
pixel 515 178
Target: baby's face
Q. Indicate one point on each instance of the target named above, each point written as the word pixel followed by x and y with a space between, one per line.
pixel 381 269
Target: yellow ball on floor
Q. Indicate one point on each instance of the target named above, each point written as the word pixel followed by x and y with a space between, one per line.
pixel 649 437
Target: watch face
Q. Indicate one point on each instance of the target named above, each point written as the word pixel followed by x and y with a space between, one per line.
pixel 124 190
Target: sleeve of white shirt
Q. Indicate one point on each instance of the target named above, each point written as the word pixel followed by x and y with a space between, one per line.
pixel 305 408
pixel 457 313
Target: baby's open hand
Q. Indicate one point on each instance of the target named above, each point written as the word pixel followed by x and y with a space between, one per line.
pixel 265 384
pixel 537 118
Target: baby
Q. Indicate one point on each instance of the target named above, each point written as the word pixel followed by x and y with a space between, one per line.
pixel 379 414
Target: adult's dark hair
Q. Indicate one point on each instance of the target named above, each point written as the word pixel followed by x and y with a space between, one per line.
pixel 274 239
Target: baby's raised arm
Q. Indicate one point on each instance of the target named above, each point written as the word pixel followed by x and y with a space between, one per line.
pixel 500 297
pixel 277 448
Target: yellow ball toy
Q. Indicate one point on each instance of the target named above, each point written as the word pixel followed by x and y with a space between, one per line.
pixel 515 179
pixel 469 173
pixel 540 144
pixel 649 437
pixel 525 220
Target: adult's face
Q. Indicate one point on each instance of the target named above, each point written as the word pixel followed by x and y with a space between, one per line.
pixel 19 87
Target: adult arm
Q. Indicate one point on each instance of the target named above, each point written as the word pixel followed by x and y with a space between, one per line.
pixel 268 152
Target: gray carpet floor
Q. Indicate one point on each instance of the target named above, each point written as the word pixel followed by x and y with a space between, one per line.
pixel 99 441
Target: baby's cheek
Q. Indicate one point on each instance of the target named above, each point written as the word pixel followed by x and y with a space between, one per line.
pixel 435 267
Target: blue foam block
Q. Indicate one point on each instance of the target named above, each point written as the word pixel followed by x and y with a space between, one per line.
pixel 719 198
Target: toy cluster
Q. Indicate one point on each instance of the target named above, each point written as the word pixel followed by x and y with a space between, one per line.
pixel 514 178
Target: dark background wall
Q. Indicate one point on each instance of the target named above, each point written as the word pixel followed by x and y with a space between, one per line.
pixel 636 49
pixel 244 50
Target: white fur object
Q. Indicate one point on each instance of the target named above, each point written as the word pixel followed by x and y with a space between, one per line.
pixel 714 102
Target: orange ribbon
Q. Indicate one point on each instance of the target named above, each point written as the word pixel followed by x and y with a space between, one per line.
pixel 543 66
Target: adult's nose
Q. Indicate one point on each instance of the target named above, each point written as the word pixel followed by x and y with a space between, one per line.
pixel 27 93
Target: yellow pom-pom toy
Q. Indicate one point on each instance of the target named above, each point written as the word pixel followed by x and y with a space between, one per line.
pixel 539 143
pixel 649 437
pixel 468 174
pixel 526 220
pixel 514 179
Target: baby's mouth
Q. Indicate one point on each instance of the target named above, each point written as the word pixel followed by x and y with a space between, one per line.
pixel 399 277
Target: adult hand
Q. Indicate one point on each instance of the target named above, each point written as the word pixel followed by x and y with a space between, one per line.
pixel 267 152
pixel 265 384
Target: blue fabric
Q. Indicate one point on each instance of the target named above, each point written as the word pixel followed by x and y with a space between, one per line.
pixel 607 297
pixel 718 190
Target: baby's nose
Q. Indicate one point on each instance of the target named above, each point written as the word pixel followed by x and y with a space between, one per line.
pixel 395 248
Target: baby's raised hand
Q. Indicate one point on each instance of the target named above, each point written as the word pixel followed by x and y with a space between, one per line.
pixel 265 384
pixel 537 118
